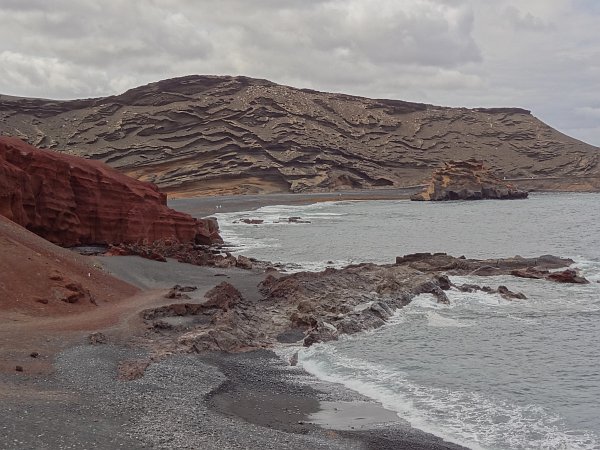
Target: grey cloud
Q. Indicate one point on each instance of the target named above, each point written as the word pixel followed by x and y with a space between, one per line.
pixel 538 55
pixel 525 21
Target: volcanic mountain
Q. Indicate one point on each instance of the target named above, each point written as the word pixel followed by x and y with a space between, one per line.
pixel 218 134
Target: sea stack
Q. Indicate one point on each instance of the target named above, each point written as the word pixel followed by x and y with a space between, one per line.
pixel 467 180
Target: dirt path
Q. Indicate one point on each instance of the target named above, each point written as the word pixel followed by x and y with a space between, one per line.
pixel 20 336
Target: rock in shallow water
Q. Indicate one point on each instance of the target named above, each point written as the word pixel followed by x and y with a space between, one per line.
pixel 467 180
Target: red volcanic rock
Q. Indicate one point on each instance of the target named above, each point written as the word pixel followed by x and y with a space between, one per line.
pixel 467 180
pixel 71 201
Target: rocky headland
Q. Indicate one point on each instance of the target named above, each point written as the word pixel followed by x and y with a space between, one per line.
pixel 72 201
pixel 467 180
pixel 203 135
pixel 308 307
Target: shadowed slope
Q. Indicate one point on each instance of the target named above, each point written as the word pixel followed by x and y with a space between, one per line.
pixel 40 278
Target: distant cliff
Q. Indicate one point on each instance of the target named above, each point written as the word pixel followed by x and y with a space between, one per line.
pixel 207 134
pixel 69 201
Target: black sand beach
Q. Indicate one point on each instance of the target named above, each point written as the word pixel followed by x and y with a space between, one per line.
pixel 205 206
pixel 252 400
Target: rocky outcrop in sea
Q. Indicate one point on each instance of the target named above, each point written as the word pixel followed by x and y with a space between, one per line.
pixel 310 307
pixel 467 180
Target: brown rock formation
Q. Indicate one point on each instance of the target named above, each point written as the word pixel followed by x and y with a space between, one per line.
pixel 206 134
pixel 70 201
pixel 467 180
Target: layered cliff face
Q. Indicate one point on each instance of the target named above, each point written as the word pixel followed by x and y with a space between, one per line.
pixel 467 180
pixel 70 201
pixel 205 135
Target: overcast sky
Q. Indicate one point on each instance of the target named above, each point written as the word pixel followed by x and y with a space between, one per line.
pixel 542 55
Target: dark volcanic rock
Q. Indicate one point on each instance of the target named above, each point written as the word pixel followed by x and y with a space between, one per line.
pixel 442 262
pixel 467 180
pixel 71 201
pixel 318 307
pixel 510 295
pixel 222 296
pixel 567 276
pixel 206 134
pixel 530 272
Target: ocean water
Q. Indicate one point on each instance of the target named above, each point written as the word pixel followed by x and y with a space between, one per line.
pixel 483 372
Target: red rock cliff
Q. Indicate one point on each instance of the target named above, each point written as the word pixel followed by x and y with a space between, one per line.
pixel 70 201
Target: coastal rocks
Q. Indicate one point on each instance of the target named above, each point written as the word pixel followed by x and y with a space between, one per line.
pixel 295 219
pixel 243 262
pixel 467 180
pixel 345 301
pixel 567 276
pixel 530 272
pixel 302 307
pixel 442 262
pixel 198 255
pixel 72 201
pixel 252 221
pixel 564 276
pixel 503 291
pixel 310 307
pixel 510 295
pixel 222 296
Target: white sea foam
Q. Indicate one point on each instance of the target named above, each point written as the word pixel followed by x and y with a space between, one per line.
pixel 425 301
pixel 589 269
pixel 479 298
pixel 467 418
pixel 437 320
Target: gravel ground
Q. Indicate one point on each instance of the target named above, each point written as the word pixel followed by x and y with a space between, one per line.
pixel 215 401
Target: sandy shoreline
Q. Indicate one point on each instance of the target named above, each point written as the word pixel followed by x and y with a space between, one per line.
pixel 248 400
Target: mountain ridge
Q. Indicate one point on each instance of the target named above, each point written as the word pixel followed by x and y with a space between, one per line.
pixel 207 134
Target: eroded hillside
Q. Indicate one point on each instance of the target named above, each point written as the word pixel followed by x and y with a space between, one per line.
pixel 207 134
